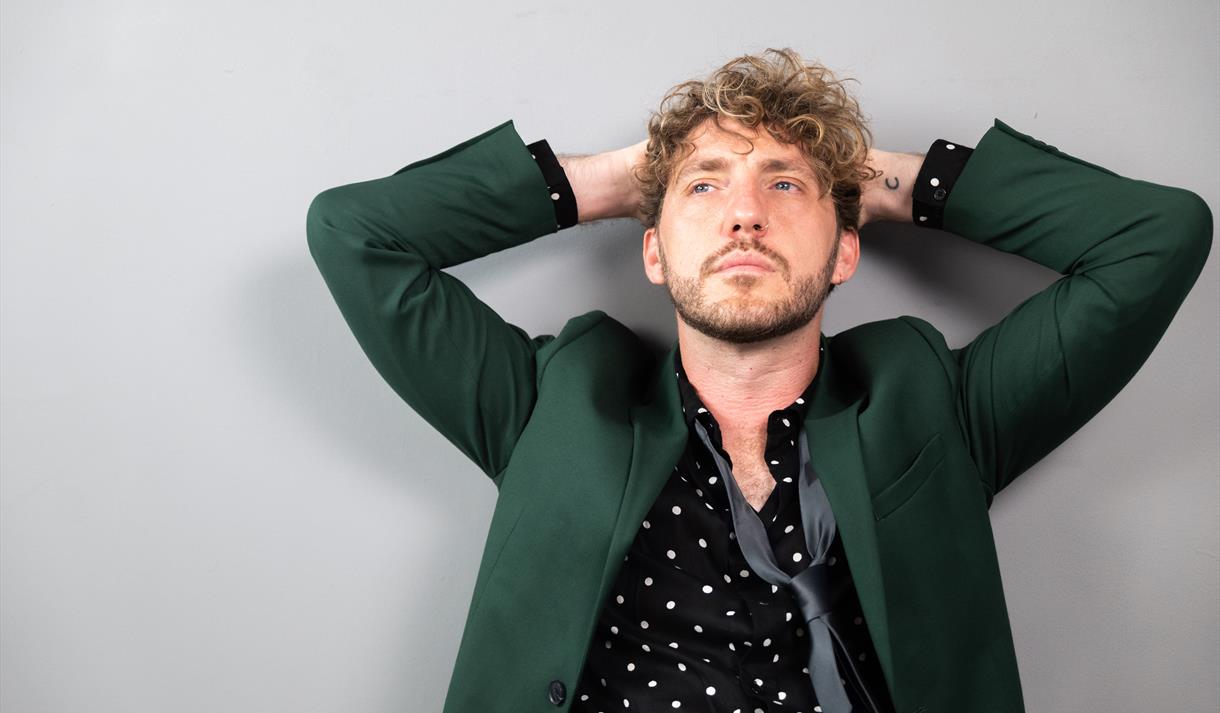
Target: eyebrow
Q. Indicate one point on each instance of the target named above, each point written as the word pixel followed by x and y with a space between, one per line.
pixel 719 164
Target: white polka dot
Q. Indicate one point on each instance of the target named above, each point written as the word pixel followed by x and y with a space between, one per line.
pixel 645 648
pixel 619 599
pixel 670 605
pixel 702 410
pixel 643 625
pixel 766 642
pixel 673 644
pixel 744 573
pixel 703 543
pixel 630 667
pixel 787 480
pixel 781 695
pixel 676 704
pixel 698 628
pixel 671 554
pixel 648 581
pixel 677 510
pixel 707 589
pixel 626 703
pixel 652 684
pixel 774 588
pixel 922 218
pixel 775 659
pixel 711 690
pixel 614 630
pixel 698 492
pixel 785 422
pixel 554 196
pixel 934 181
pixel 950 146
pixel 789 528
pixel 732 647
pixel 788 616
pixel 758 682
pixel 585 697
pixel 712 480
pixel 607 644
pixel 796 557
pixel 730 613
pixel 774 462
pixel 727 579
pixel 647 525
pixel 681 666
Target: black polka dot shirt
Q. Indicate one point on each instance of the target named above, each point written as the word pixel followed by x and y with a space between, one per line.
pixel 687 625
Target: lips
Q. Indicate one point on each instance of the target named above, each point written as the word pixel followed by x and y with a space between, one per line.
pixel 744 261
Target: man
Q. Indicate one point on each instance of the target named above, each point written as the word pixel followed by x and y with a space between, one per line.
pixel 763 518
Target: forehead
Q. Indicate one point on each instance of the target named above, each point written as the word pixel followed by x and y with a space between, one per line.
pixel 734 137
pixel 731 142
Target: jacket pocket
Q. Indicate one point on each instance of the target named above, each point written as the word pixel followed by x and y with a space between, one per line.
pixel 904 487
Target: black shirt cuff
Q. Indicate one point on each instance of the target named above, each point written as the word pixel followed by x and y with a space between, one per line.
pixel 941 167
pixel 562 197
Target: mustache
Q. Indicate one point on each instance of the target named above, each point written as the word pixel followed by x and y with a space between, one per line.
pixel 747 245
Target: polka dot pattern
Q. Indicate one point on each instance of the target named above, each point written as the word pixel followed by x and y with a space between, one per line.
pixel 713 635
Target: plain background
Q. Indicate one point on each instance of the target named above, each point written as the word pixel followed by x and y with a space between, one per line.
pixel 211 502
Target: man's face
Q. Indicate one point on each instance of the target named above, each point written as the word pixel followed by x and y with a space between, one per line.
pixel 746 242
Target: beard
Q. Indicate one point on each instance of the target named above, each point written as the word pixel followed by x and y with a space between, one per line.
pixel 744 318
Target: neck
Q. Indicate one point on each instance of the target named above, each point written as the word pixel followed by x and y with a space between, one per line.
pixel 741 384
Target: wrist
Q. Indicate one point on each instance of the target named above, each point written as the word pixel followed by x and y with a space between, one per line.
pixel 602 185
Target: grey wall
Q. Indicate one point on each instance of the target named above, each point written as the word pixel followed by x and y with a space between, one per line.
pixel 211 502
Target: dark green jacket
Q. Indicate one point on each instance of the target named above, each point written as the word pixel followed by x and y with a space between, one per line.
pixel 579 431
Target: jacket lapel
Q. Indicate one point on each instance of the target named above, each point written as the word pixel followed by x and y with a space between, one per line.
pixel 659 435
pixel 833 434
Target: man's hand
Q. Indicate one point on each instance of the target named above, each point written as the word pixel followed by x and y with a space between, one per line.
pixel 888 196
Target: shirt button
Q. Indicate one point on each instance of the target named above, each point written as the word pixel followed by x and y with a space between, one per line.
pixel 558 693
pixel 939 194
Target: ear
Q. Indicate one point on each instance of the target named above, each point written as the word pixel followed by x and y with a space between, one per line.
pixel 652 257
pixel 848 258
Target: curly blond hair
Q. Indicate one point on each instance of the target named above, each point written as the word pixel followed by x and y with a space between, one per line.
pixel 795 101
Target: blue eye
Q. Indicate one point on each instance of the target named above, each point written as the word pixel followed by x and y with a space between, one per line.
pixel 785 182
pixel 696 186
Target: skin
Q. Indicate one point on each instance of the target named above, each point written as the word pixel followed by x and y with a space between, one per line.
pixel 749 336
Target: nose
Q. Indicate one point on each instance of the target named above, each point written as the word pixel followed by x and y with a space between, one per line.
pixel 746 214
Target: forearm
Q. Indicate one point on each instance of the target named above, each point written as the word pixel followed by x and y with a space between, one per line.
pixel 603 184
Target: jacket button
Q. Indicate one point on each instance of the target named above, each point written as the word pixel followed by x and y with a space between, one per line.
pixel 558 693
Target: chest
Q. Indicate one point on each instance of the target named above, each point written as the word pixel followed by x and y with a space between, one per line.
pixel 750 469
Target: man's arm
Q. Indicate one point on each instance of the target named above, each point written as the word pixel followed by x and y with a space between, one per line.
pixel 382 245
pixel 1129 251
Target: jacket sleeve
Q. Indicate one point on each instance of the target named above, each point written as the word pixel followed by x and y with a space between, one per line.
pixel 1128 250
pixel 381 246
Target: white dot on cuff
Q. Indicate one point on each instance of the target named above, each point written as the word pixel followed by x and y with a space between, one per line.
pixel 554 196
pixel 923 218
pixel 935 181
pixel 950 146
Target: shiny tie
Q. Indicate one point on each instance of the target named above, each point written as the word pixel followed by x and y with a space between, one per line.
pixel 816 591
